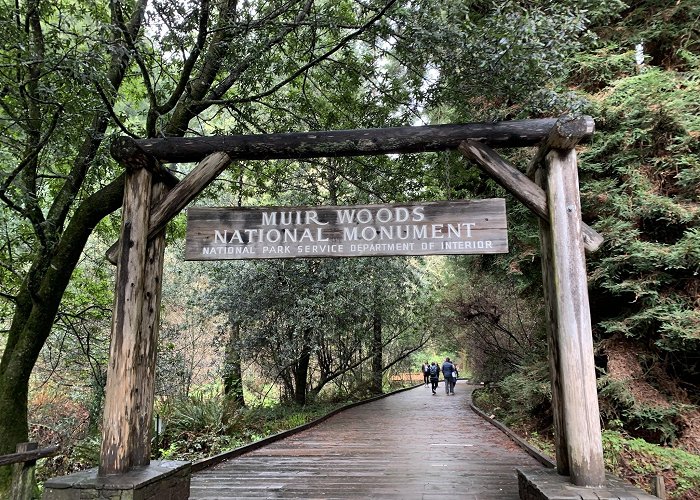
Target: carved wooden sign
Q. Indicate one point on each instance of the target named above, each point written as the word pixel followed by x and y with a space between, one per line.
pixel 431 228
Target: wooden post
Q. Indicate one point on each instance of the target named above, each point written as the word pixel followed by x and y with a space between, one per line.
pixel 23 475
pixel 147 347
pixel 565 134
pixel 574 334
pixel 122 391
pixel 658 487
pixel 550 297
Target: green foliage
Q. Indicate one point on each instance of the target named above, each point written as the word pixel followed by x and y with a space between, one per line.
pixel 498 325
pixel 528 393
pixel 521 398
pixel 193 415
pixel 639 187
pixel 497 58
pixel 595 69
pixel 194 426
pixel 633 458
pixel 639 460
pixel 490 400
pixel 655 421
pixel 203 425
pixel 542 442
pixel 87 451
pixel 317 316
pixel 659 423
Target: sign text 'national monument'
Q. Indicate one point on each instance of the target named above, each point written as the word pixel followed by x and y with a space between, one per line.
pixel 431 228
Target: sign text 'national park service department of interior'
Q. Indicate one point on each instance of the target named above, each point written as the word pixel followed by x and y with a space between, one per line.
pixel 431 228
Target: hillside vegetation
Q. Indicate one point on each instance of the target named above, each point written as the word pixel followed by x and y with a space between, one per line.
pixel 640 187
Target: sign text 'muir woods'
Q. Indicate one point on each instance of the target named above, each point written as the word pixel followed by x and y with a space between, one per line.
pixel 431 228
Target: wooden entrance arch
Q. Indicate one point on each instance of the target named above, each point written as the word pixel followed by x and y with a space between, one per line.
pixel 549 188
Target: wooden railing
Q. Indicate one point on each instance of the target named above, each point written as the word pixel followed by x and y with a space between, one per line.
pixel 406 377
pixel 23 463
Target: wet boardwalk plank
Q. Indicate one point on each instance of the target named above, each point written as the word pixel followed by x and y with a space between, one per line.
pixel 410 445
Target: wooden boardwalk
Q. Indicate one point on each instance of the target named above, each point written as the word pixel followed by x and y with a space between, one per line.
pixel 410 445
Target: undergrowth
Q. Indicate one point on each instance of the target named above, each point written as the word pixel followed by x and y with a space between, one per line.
pixel 196 427
pixel 631 458
pixel 638 461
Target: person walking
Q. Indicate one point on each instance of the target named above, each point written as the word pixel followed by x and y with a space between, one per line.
pixel 425 368
pixel 455 376
pixel 448 373
pixel 434 376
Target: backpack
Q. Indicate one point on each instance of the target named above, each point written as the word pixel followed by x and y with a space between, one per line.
pixel 433 370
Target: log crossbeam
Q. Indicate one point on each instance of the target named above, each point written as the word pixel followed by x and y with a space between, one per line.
pixel 127 152
pixel 216 153
pixel 362 142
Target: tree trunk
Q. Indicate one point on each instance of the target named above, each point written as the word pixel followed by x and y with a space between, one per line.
pixel 13 422
pixel 377 353
pixel 233 374
pixel 301 372
pixel 34 316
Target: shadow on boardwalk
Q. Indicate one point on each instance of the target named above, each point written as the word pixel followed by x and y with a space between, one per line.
pixel 410 445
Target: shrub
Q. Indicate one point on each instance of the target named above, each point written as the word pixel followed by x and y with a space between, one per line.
pixel 638 461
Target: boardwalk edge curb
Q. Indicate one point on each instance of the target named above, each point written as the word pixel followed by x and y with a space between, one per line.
pixel 534 452
pixel 205 463
pixel 546 483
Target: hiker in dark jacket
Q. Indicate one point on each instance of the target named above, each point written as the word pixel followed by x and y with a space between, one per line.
pixel 434 376
pixel 448 372
pixel 425 368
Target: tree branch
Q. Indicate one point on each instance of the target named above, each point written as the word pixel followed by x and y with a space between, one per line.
pixel 343 42
pixel 188 66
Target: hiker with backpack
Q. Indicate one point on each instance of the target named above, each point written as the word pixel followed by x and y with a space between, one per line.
pixel 449 371
pixel 434 371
